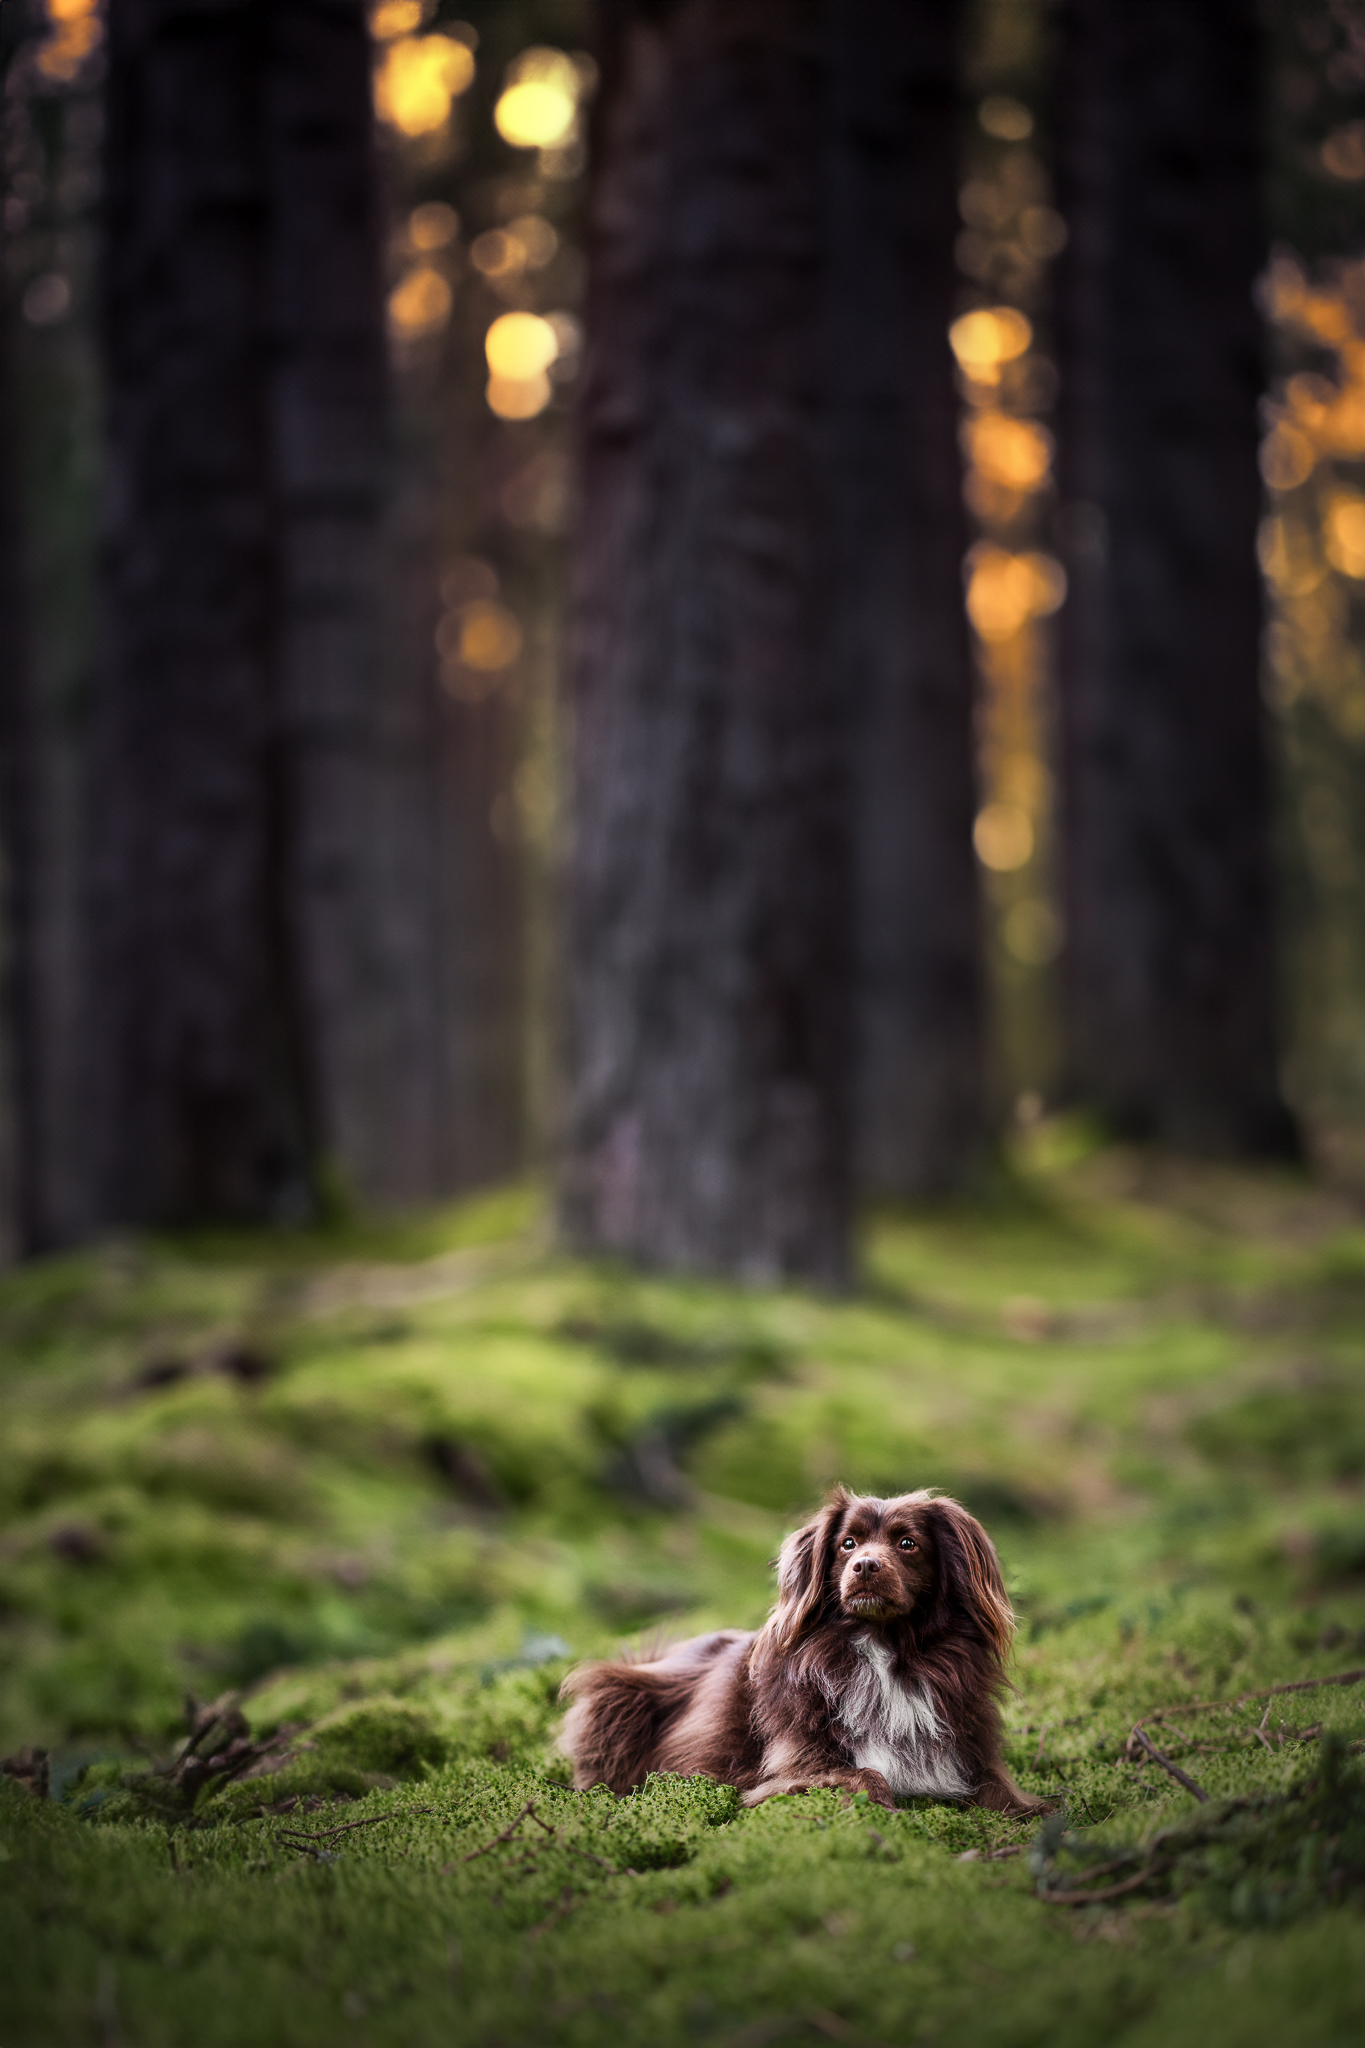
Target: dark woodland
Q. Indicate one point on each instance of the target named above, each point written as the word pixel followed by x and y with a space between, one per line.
pixel 682 892
pixel 1170 974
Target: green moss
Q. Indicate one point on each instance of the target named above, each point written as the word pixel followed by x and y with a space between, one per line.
pixel 1148 1378
pixel 1309 1432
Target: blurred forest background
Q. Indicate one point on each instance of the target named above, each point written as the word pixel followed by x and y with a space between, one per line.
pixel 291 514
pixel 754 609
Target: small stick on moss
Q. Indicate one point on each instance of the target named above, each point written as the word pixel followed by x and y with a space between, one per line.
pixel 1269 1692
pixel 528 1812
pixel 1172 1770
pixel 311 1835
pixel 588 1856
pixel 1105 1892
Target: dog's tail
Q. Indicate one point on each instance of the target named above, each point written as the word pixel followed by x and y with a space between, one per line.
pixel 619 1713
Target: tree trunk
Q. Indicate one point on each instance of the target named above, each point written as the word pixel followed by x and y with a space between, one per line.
pixel 709 971
pixel 902 645
pixel 196 1033
pixel 363 959
pixel 22 1219
pixel 240 1007
pixel 1170 974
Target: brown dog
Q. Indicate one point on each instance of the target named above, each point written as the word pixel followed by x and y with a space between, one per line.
pixel 877 1670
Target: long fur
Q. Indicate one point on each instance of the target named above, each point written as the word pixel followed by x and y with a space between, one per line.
pixel 894 1700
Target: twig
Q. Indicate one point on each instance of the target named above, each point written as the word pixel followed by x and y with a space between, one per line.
pixel 1089 1810
pixel 1270 1692
pixel 1043 1734
pixel 1172 1770
pixel 311 1835
pixel 528 1812
pixel 588 1857
pixel 1106 1892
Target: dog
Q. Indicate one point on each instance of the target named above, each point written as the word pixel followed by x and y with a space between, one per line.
pixel 877 1671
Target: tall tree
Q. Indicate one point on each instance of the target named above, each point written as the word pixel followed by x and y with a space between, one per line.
pixel 20 1036
pixel 239 1007
pixel 902 646
pixel 1170 970
pixel 47 389
pixel 709 943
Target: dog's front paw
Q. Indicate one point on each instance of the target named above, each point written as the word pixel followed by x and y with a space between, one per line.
pixel 998 1793
pixel 875 1786
pixel 1027 1807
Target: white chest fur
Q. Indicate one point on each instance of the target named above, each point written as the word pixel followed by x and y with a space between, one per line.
pixel 896 1729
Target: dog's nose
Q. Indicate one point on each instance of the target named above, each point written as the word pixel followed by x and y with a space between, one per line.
pixel 866 1564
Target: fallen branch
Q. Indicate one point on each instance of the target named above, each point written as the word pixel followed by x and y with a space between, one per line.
pixel 1172 1770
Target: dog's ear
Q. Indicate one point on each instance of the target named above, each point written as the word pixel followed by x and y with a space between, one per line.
pixel 803 1574
pixel 969 1573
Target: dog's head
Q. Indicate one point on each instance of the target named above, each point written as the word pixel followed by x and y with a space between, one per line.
pixel 879 1562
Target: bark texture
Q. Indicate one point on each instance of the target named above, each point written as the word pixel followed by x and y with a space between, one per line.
pixel 901 646
pixel 22 1218
pixel 239 1007
pixel 709 968
pixel 1170 972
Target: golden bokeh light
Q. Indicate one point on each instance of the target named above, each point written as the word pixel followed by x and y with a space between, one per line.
pixel 1289 557
pixel 1043 232
pixel 518 398
pixel 538 106
pixel 1312 546
pixel 433 225
pixel 1007 119
pixel 1343 153
pixel 392 18
pixel 985 339
pixel 520 346
pixel 1008 451
pixel 480 634
pixel 1288 457
pixel 1344 534
pixel 420 304
pixel 77 32
pixel 1005 590
pixel 538 239
pixel 417 79
pixel 497 253
pixel 1003 837
pixel 1032 932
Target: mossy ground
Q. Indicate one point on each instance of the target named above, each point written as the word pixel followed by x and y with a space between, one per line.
pixel 383 1483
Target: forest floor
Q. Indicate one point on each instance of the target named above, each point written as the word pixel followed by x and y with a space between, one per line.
pixel 379 1487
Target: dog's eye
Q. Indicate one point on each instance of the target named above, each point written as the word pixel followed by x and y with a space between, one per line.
pixel 908 1543
pixel 849 1543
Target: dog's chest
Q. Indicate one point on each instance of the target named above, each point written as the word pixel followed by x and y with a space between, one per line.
pixel 896 1729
